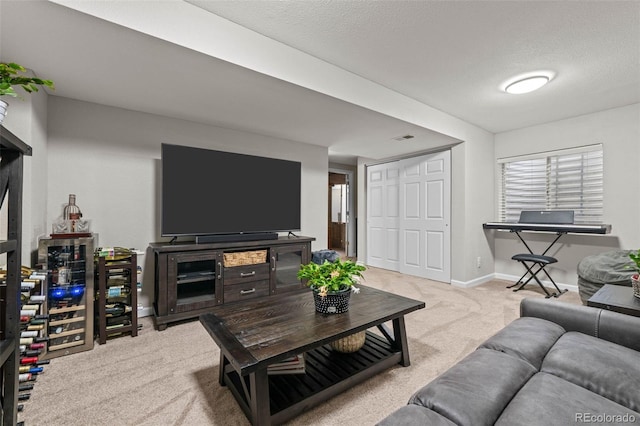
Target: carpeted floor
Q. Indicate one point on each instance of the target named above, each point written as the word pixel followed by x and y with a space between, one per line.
pixel 170 377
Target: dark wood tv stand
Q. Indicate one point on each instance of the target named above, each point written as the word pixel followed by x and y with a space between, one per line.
pixel 191 278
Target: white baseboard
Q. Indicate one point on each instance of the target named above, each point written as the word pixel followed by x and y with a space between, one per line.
pixel 473 283
pixel 485 279
pixel 145 312
pixel 547 283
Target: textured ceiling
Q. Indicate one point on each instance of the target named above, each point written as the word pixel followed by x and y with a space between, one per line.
pixel 413 58
pixel 454 55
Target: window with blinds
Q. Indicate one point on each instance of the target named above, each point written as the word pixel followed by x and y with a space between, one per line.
pixel 570 179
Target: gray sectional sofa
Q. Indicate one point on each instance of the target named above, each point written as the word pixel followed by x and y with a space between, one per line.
pixel 558 364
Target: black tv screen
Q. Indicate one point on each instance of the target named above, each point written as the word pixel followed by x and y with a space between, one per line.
pixel 208 192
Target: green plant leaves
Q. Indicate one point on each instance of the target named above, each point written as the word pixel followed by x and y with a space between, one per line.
pixel 10 77
pixel 635 256
pixel 331 276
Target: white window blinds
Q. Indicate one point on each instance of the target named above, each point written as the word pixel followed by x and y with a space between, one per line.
pixel 570 179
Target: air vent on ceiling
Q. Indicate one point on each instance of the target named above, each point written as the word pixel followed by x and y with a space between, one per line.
pixel 403 138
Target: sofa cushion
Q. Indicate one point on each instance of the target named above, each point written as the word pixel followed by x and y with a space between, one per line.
pixel 526 338
pixel 415 415
pixel 547 399
pixel 475 390
pixel 605 368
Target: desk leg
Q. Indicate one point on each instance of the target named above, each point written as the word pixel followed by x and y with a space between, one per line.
pixel 259 403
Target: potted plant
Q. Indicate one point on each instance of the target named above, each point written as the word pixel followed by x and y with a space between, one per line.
pixel 635 278
pixel 332 283
pixel 11 76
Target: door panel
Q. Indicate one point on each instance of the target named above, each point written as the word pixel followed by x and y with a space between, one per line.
pixel 409 203
pixel 383 216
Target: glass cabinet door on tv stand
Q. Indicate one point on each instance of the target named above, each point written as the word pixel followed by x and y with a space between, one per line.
pixel 285 264
pixel 69 266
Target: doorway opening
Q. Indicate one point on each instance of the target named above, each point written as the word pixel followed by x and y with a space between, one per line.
pixel 341 229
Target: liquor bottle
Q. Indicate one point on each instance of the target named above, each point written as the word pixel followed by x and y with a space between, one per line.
pixel 71 211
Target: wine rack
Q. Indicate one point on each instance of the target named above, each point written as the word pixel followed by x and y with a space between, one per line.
pixel 33 323
pixel 69 268
pixel 116 296
pixel 12 151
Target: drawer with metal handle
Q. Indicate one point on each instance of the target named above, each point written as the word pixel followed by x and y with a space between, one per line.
pixel 249 290
pixel 242 274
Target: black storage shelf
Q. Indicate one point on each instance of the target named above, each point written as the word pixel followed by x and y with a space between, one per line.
pixel 126 271
pixel 326 371
pixel 12 151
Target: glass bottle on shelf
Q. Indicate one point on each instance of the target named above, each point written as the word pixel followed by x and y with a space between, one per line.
pixel 71 211
pixel 113 253
pixel 72 214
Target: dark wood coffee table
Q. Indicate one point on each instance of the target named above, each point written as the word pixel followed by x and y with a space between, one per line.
pixel 617 298
pixel 253 335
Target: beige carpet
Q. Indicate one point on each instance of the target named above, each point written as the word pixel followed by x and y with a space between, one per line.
pixel 170 377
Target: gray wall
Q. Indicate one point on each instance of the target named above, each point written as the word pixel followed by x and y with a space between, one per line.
pixel 110 158
pixel 618 130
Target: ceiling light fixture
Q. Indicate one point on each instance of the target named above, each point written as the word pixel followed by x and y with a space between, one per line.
pixel 526 85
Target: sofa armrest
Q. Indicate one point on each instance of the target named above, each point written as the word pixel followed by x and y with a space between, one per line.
pixel 612 326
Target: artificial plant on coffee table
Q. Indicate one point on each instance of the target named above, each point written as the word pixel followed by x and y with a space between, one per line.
pixel 332 277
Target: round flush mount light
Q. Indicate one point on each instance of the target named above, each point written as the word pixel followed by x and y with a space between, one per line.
pixel 527 83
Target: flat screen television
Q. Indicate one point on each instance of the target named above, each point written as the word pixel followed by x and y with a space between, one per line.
pixel 215 193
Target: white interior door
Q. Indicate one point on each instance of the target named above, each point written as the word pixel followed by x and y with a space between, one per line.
pixel 408 215
pixel 425 201
pixel 383 215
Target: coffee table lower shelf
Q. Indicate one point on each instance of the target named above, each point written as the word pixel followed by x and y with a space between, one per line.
pixel 328 373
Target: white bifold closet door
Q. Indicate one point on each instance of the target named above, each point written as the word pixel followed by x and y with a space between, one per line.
pixel 408 214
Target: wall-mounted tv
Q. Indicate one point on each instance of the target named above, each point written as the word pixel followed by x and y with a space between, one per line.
pixel 207 192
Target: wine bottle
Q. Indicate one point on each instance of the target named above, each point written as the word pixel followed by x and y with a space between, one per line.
pixel 26 377
pixel 118 291
pixel 27 286
pixel 37 298
pixel 35 327
pixel 28 360
pixel 30 369
pixel 113 253
pixel 116 309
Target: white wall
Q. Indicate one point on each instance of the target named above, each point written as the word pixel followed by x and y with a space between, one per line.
pixel 27 119
pixel 618 130
pixel 472 194
pixel 110 158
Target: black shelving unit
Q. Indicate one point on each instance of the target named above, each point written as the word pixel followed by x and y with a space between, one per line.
pixel 113 277
pixel 12 151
